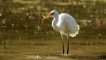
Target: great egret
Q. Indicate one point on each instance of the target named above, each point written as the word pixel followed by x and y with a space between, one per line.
pixel 65 24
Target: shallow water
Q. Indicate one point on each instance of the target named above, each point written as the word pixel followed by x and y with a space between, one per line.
pixel 49 57
pixel 52 50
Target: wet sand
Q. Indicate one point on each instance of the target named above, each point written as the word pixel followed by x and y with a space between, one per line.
pixel 92 49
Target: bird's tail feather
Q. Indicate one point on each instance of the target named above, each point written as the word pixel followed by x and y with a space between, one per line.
pixel 74 34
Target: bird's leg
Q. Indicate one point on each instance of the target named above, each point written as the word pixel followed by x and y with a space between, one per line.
pixel 67 44
pixel 62 43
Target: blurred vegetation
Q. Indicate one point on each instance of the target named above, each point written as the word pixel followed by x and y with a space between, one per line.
pixel 22 18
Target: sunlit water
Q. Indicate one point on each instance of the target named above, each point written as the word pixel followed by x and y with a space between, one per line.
pixel 49 57
pixel 52 50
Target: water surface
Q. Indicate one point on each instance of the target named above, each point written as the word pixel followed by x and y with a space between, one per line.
pixel 52 50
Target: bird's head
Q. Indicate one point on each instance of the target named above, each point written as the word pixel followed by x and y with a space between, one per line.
pixel 53 13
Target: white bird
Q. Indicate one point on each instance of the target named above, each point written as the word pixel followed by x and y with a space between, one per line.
pixel 65 24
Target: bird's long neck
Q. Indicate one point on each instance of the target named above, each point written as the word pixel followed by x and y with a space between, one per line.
pixel 54 23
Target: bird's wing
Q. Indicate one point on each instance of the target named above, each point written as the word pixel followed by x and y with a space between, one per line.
pixel 72 25
pixel 66 19
pixel 68 23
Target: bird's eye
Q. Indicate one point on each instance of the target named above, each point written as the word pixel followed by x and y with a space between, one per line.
pixel 52 13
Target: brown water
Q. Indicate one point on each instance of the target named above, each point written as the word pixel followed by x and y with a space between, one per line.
pixel 92 49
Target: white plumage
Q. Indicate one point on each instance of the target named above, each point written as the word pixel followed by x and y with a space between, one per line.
pixel 65 24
